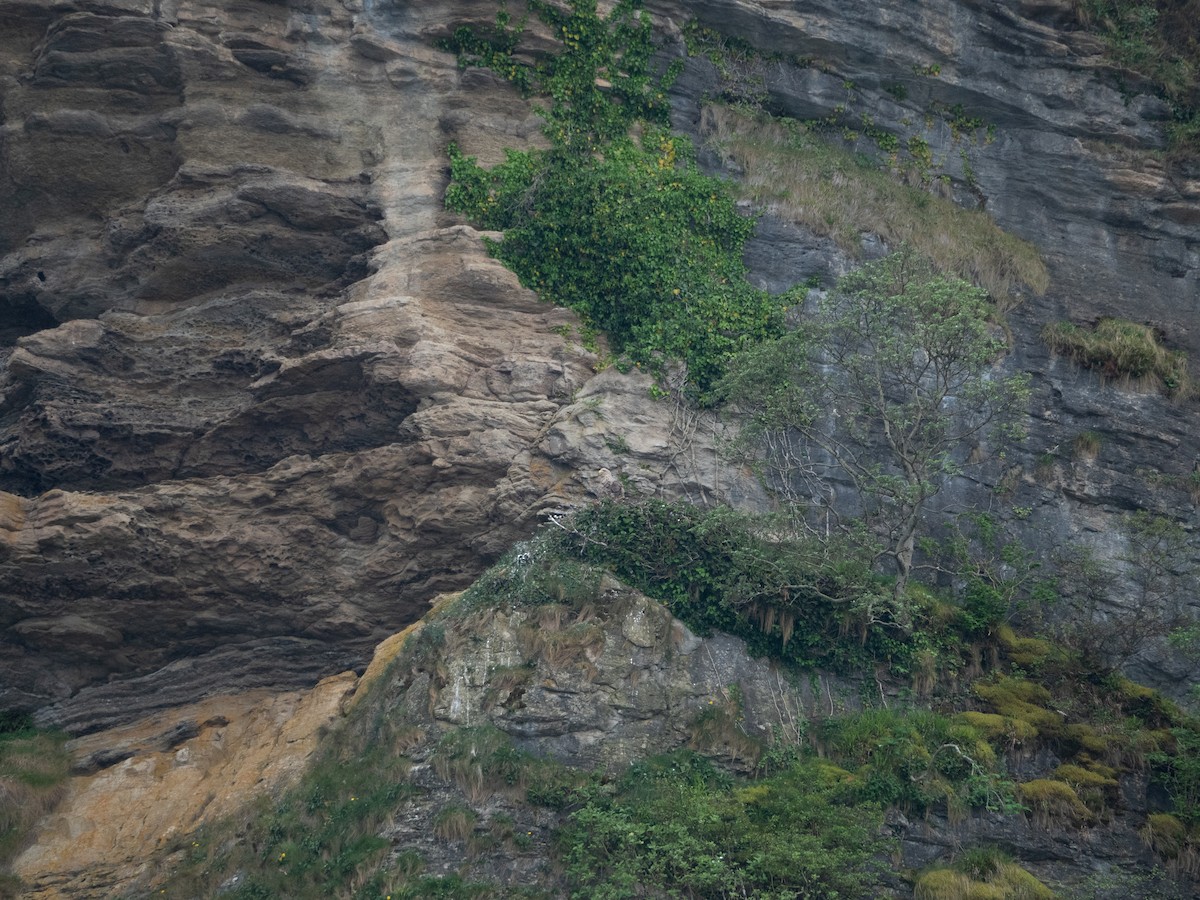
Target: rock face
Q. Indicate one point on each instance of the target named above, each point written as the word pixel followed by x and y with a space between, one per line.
pixel 1070 157
pixel 140 789
pixel 261 398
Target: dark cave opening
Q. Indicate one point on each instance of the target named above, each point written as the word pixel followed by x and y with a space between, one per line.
pixel 21 314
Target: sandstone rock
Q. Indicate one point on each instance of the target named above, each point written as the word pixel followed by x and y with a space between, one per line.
pixel 145 787
pixel 261 399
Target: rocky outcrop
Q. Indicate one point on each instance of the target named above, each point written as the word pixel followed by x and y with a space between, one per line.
pixel 593 685
pixel 260 398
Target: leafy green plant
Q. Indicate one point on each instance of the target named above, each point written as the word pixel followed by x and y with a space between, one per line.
pixel 1000 577
pixel 917 759
pixel 675 824
pixel 1159 39
pixel 628 233
pixel 1179 771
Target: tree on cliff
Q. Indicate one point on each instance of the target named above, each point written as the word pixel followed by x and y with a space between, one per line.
pixel 888 386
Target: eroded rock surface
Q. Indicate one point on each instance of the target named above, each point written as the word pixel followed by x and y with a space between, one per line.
pixel 142 788
pixel 261 398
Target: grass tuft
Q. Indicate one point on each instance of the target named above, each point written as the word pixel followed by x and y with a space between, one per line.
pixel 1123 351
pixel 1053 804
pixel 34 766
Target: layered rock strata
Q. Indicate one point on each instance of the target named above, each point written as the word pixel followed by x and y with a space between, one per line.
pixel 261 398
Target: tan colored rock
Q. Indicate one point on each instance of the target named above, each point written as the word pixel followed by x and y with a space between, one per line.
pixel 177 770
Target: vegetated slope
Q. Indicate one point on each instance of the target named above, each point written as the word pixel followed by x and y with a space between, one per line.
pixel 553 732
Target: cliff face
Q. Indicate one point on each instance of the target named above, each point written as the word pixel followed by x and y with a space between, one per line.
pixel 261 398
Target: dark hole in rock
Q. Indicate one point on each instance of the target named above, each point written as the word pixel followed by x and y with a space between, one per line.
pixel 21 315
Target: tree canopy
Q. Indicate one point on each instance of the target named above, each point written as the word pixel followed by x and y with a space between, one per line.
pixel 889 385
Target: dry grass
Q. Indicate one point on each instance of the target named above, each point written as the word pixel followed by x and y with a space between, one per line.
pixel 33 773
pixel 1086 445
pixel 794 173
pixel 563 646
pixel 1170 839
pixel 1125 352
pixel 454 823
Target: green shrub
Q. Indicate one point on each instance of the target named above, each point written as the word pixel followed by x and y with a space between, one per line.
pixel 627 233
pixel 675 824
pixel 916 759
pixel 796 599
pixel 1178 768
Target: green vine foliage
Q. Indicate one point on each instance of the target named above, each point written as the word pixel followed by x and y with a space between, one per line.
pixel 626 232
